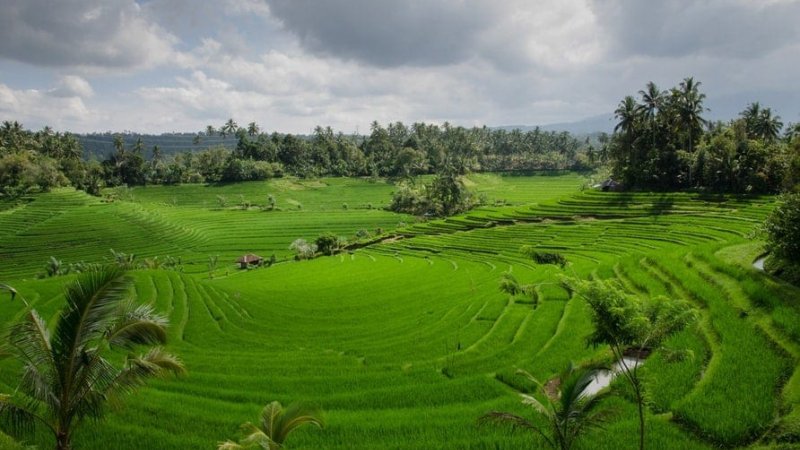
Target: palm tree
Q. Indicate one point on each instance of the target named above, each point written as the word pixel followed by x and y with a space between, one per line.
pixel 65 375
pixel 792 132
pixel 652 99
pixel 210 130
pixel 768 127
pixel 253 129
pixel 568 411
pixel 750 115
pixel 230 127
pixel 53 267
pixel 275 426
pixel 627 113
pixel 156 155
pixel 690 109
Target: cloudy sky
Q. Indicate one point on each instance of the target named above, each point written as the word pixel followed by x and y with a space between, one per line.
pixel 179 65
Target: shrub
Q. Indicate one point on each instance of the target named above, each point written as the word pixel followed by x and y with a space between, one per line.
pixel 303 249
pixel 783 229
pixel 328 243
pixel 544 257
pixel 444 196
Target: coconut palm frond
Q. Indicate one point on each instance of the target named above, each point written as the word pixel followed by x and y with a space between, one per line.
pixel 38 385
pixel 254 436
pixel 5 287
pixel 275 425
pixel 92 300
pixel 229 445
pixel 137 325
pixel 297 415
pixel 530 400
pixel 271 417
pixel 138 369
pixel 517 422
pixel 17 420
pixel 30 340
pixel 508 418
pixel 530 377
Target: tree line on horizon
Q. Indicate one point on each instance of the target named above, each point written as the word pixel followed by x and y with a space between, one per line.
pixel 661 142
pixel 37 161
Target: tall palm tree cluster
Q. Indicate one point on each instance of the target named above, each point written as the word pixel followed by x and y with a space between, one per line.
pixel 663 141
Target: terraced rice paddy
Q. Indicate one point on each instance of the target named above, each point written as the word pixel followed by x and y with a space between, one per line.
pixel 405 342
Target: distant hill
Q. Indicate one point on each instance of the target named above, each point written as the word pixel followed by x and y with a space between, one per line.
pixel 588 126
pixel 100 145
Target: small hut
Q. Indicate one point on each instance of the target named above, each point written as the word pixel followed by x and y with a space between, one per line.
pixel 610 186
pixel 249 260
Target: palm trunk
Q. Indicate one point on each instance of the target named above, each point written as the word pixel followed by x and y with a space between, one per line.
pixel 633 379
pixel 63 440
pixel 640 404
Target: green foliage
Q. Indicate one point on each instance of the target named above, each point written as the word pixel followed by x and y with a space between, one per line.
pixel 126 261
pixel 303 250
pixel 328 243
pixel 568 412
pixel 541 257
pixel 783 229
pixel 662 143
pixel 509 284
pixel 445 195
pixel 275 426
pixel 26 172
pixel 625 322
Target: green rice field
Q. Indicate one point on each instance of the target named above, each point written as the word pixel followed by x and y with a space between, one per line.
pixel 407 340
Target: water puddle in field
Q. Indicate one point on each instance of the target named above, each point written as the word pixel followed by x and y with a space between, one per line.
pixel 603 378
pixel 759 263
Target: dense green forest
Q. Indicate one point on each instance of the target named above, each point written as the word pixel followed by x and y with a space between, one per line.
pixel 37 160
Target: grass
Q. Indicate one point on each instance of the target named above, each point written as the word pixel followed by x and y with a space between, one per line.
pixel 406 343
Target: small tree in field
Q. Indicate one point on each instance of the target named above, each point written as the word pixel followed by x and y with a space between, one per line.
pixel 65 374
pixel 275 426
pixel 270 202
pixel 328 243
pixel 567 413
pixel 625 322
pixel 212 265
pixel 303 250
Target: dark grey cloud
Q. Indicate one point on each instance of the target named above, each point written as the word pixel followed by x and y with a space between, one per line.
pixel 719 28
pixel 91 33
pixel 294 64
pixel 383 33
